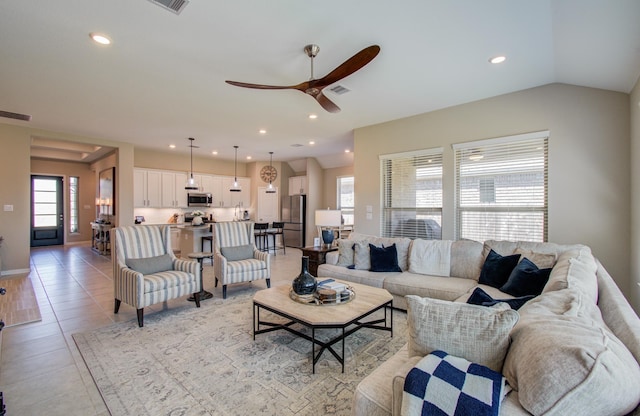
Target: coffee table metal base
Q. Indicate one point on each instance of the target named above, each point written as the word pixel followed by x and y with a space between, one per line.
pixel 355 325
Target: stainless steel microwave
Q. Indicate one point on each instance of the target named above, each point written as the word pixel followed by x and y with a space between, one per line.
pixel 199 199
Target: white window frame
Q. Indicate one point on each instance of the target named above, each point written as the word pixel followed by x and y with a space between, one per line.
pixel 512 212
pixel 412 199
pixel 74 204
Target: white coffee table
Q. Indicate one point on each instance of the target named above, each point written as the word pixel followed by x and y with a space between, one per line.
pixel 345 316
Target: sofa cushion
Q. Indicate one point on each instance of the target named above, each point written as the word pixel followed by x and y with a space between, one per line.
pixel 526 279
pixel 541 260
pixel 569 365
pixel 476 333
pixel 482 298
pixel 431 257
pixel 384 259
pixel 437 287
pixel 364 277
pixel 361 256
pixel 151 265
pixel 568 271
pixel 496 268
pixel 466 259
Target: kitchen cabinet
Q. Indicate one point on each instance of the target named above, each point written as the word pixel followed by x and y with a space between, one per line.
pixel 240 199
pixel 297 185
pixel 173 193
pixel 207 184
pixel 147 188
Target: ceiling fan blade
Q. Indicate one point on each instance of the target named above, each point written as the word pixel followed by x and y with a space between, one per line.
pixel 349 66
pixel 326 103
pixel 301 86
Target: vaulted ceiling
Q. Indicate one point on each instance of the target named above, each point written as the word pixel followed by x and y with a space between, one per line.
pixel 162 78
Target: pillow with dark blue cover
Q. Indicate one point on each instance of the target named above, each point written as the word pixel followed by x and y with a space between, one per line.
pixel 482 298
pixel 497 269
pixel 384 259
pixel 526 279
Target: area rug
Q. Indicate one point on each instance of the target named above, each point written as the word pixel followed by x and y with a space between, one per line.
pixel 191 361
pixel 19 305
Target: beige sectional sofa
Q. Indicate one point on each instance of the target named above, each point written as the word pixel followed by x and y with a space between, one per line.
pixel 574 350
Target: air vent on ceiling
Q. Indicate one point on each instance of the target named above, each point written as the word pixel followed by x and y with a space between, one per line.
pixel 297 145
pixel 7 114
pixel 339 89
pixel 176 6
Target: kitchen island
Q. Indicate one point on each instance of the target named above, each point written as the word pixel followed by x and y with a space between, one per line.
pixel 191 238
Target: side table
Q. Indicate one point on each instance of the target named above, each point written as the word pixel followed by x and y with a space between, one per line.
pixel 200 256
pixel 317 256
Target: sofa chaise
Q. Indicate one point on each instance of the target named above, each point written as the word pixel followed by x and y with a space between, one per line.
pixel 574 348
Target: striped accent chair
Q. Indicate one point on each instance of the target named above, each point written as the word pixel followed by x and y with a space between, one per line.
pixel 244 262
pixel 158 274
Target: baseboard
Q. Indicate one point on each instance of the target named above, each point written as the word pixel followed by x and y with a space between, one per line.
pixel 14 271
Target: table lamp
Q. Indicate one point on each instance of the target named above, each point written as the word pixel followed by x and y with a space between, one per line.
pixel 326 220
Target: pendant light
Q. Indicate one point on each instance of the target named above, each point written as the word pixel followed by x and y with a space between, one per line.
pixel 235 187
pixel 270 188
pixel 191 184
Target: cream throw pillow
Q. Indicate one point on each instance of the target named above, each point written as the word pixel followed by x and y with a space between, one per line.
pixel 476 333
pixel 362 256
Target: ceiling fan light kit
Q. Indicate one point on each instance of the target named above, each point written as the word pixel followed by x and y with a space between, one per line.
pixel 236 186
pixel 191 184
pixel 314 87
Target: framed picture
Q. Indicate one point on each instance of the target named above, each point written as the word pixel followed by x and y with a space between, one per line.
pixel 107 187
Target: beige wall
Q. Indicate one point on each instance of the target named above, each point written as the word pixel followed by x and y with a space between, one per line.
pixel 589 166
pixel 330 197
pixel 634 104
pixel 155 159
pixel 15 171
pixel 86 201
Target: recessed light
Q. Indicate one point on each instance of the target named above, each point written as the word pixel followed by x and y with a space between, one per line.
pixel 100 38
pixel 347 151
pixel 262 131
pixel 498 59
pixel 313 116
pixel 215 152
pixel 172 146
pixel 312 142
pixel 248 157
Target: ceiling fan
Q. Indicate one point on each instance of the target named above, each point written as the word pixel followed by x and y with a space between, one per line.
pixel 314 87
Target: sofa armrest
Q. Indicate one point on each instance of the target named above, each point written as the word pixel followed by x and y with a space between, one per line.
pixel 189 266
pixel 398 384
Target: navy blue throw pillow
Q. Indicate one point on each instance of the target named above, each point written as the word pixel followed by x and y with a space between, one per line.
pixel 384 259
pixel 482 298
pixel 496 269
pixel 526 279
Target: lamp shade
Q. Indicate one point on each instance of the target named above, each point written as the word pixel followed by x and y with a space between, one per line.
pixel 328 218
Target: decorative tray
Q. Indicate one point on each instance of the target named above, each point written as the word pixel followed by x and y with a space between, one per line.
pixel 324 297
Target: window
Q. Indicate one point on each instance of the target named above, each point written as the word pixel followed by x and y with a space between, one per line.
pixel 346 198
pixel 501 188
pixel 73 204
pixel 412 194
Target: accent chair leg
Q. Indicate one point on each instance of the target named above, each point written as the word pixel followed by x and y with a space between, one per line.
pixel 196 298
pixel 140 317
pixel 116 306
pixel 224 291
pixel 268 282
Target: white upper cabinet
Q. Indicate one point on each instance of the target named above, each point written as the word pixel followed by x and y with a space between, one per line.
pixel 147 188
pixel 298 185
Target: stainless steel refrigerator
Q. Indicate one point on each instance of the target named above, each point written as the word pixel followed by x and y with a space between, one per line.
pixel 294 216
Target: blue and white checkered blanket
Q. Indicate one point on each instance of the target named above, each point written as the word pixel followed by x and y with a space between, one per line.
pixel 441 384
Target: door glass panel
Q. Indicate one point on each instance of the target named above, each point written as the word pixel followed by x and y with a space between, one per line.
pixel 45 199
pixel 45 221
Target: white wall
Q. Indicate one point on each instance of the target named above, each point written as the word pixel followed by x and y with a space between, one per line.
pixel 589 166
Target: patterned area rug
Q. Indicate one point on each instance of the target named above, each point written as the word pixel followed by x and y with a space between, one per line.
pixel 19 305
pixel 190 361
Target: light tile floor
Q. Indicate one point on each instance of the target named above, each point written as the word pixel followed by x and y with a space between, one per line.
pixel 41 370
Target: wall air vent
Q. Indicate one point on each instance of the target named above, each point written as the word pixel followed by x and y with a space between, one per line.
pixel 176 6
pixel 339 89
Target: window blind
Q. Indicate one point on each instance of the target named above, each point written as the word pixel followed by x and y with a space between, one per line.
pixel 502 188
pixel 412 194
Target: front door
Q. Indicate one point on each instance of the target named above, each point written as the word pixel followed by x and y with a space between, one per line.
pixel 47 211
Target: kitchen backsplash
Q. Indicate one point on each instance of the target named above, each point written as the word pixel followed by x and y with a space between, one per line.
pixel 162 215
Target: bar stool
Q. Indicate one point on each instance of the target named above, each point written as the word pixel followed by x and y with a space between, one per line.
pixel 208 238
pixel 261 236
pixel 200 256
pixel 277 229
